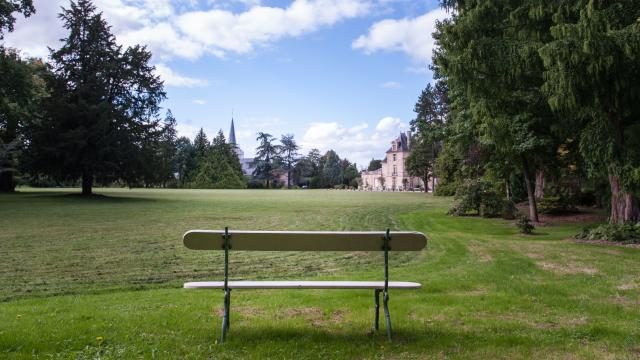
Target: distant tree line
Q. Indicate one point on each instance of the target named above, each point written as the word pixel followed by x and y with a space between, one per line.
pixel 91 116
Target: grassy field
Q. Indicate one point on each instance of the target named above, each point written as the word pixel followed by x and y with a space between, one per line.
pixel 100 278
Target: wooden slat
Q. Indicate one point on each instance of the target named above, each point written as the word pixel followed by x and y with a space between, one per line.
pixel 302 285
pixel 304 240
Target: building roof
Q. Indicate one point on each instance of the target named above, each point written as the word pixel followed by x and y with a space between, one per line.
pixel 403 141
pixel 232 134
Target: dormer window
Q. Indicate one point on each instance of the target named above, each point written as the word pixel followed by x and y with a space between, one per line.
pixel 395 147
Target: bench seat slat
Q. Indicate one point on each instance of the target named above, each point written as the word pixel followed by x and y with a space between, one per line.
pixel 304 240
pixel 302 285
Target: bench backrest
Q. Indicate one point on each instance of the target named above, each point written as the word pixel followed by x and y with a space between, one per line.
pixel 304 240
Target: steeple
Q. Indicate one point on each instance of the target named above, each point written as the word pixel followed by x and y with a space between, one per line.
pixel 232 133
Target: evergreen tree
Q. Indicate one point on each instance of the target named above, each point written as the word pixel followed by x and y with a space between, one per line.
pixel 201 145
pixel 593 75
pixel 186 162
pixel 331 169
pixel 168 150
pixel 488 51
pixel 103 105
pixel 431 111
pixel 288 154
pixel 266 154
pixel 421 160
pixel 220 168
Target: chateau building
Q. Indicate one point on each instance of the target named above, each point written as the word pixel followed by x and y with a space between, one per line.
pixel 393 175
pixel 247 163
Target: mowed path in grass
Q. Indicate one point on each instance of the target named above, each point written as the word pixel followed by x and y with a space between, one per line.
pixel 488 292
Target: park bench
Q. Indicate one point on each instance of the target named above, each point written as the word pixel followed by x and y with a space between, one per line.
pixel 304 241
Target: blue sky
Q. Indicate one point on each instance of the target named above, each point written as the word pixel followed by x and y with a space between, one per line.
pixel 341 74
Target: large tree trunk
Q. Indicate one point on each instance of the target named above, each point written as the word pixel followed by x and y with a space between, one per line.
pixel 87 183
pixel 624 206
pixel 533 208
pixel 539 184
pixel 7 184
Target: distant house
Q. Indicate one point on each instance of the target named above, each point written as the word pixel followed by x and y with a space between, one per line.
pixel 393 176
pixel 246 163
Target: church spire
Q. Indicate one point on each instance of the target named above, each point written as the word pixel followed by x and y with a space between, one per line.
pixel 232 133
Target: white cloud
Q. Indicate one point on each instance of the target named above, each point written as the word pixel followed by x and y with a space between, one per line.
pixel 171 78
pixel 388 123
pixel 391 85
pixel 355 142
pixel 199 101
pixel 177 30
pixel 222 31
pixel 412 36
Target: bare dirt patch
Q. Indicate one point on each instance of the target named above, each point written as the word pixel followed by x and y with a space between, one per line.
pixel 315 315
pixel 605 242
pixel 584 214
pixel 624 301
pixel 567 268
pixel 628 286
pixel 245 311
pixel 480 252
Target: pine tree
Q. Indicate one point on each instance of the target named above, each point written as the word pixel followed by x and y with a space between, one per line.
pixel 331 169
pixel 103 106
pixel 593 75
pixel 288 154
pixel 266 154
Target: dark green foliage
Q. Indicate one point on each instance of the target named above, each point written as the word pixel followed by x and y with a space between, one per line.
pixel 201 145
pixel 488 56
pixel 21 91
pixel 220 167
pixel 593 78
pixel 101 118
pixel 480 197
pixel 266 155
pixel 524 225
pixel 349 173
pixel 509 210
pixel 186 162
pixel 331 169
pixel 627 233
pixel 7 10
pixel 431 111
pixel 374 165
pixel 288 155
pixel 556 205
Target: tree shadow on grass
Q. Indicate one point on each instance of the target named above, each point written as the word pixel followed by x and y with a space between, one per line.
pixel 429 339
pixel 93 198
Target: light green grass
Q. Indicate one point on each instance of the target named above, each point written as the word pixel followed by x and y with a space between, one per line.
pixel 487 291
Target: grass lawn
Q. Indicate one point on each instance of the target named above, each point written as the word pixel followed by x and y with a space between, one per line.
pixel 101 278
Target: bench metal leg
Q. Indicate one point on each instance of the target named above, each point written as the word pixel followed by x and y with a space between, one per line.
pixel 376 327
pixel 225 317
pixel 385 299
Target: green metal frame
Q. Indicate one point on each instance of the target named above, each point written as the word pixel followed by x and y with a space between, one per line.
pixel 227 292
pixel 385 292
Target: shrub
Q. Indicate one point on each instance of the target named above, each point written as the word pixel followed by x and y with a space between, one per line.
pixel 524 225
pixel 468 197
pixel 555 205
pixel 478 196
pixel 255 184
pixel 626 233
pixel 490 204
pixel 509 210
